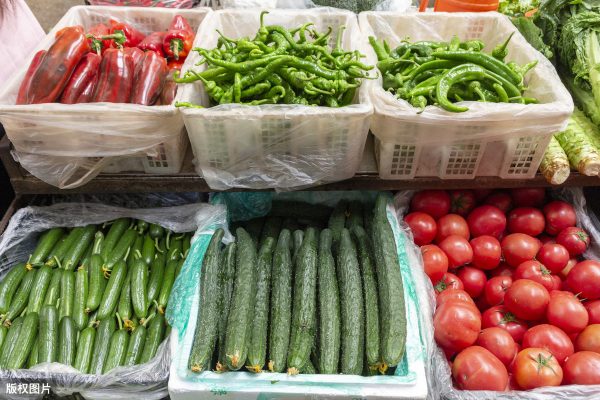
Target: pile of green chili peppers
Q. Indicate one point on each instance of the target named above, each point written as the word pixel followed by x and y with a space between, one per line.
pixel 440 73
pixel 280 66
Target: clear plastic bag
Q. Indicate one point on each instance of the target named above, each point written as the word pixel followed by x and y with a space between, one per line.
pixel 145 381
pixel 146 3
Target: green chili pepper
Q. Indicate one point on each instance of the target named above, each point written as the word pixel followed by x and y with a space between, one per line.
pixel 379 49
pixel 501 51
pixel 484 60
pixel 461 73
pixel 501 92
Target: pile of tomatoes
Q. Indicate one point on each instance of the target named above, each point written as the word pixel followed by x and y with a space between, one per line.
pixel 517 305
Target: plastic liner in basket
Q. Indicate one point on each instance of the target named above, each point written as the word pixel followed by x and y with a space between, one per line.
pixel 67 145
pixel 284 147
pixel 146 3
pixel 145 381
pixel 439 377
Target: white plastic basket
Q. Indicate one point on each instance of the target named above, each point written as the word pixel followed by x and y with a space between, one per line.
pixel 274 146
pixel 491 139
pixel 68 145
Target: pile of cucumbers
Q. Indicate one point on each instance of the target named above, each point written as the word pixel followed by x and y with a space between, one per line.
pixel 307 289
pixel 91 297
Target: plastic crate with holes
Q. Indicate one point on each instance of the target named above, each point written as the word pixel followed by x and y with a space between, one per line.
pixel 491 139
pixel 66 145
pixel 274 146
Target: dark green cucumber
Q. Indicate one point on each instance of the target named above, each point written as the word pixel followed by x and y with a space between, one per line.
pixel 48 339
pixel 281 303
pixel 180 264
pixel 207 325
pixel 142 226
pixel 59 248
pixel 24 343
pixel 391 291
pixel 154 337
pixel 85 261
pixel 368 218
pixel 304 303
pixel 352 307
pixel 117 229
pixel 45 245
pixel 337 220
pixel 53 292
pixel 10 284
pixel 67 341
pixel 124 307
pixel 67 294
pixel 167 285
pixel 270 230
pixel 369 278
pixel 148 249
pixel 19 302
pixel 120 251
pixel 85 346
pixel 227 275
pixel 308 368
pixel 136 249
pixel 80 317
pixel 3 333
pixel 78 247
pixel 110 298
pixel 355 214
pixel 106 327
pixel 39 287
pixel 329 308
pixel 241 312
pixel 299 210
pixel 254 227
pixel 98 243
pixel 33 355
pixel 117 351
pixel 175 249
pixel 12 336
pixel 156 231
pixel 135 346
pixel 93 319
pixel 97 283
pixel 139 297
pixel 157 271
pixel 257 347
pixel 186 244
pixel 57 255
pixel 298 239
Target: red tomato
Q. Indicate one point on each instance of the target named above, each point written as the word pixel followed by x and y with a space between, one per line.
pixel 518 248
pixel 448 281
pixel 458 250
pixel 545 239
pixel 500 200
pixel 535 368
pixel 481 303
pixel 589 339
pixel 551 338
pixel 422 226
pixel 502 270
pixel 535 271
pixel 559 215
pixel 527 220
pixel 593 309
pixel 486 252
pixel 527 299
pixel 554 257
pixel 556 281
pixel 456 325
pixel 452 294
pixel 481 194
pixel 495 289
pixel 476 368
pixel 584 278
pixel 461 201
pixel 433 202
pixel 486 220
pixel 473 280
pixel 567 313
pixel 570 264
pixel 451 224
pixel 582 368
pixel 498 316
pixel 528 197
pixel 499 342
pixel 435 262
pixel 575 240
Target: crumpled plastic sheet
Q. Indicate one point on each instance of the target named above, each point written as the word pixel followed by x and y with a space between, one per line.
pixel 146 381
pixel 146 3
pixel 67 145
pixel 285 147
pixel 439 374
pixel 352 5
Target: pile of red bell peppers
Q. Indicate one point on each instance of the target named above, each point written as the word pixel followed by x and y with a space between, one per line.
pixel 112 63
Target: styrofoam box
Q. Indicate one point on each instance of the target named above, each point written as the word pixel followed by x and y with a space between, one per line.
pixel 274 146
pixel 491 139
pixel 79 140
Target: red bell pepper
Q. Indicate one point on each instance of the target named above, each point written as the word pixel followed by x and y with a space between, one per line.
pixel 35 63
pixel 170 88
pixel 95 33
pixel 149 79
pixel 136 54
pixel 153 42
pixel 56 67
pixel 85 73
pixel 115 79
pixel 76 27
pixel 179 39
pixel 133 37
